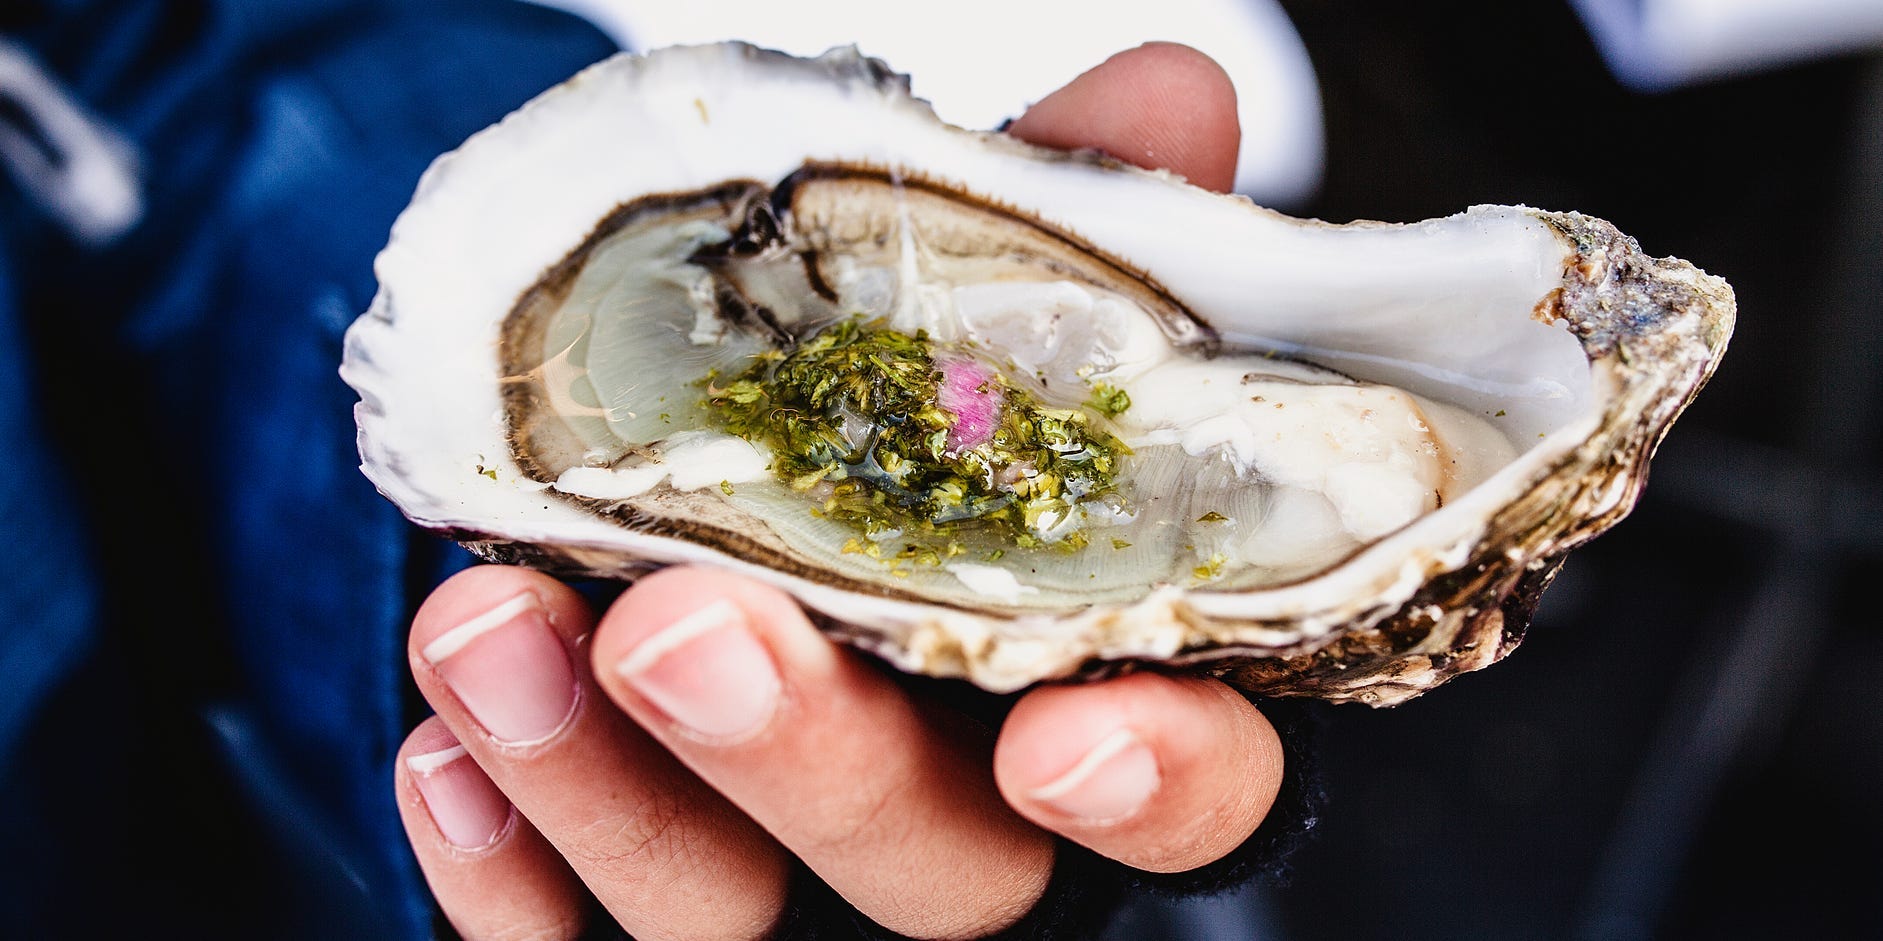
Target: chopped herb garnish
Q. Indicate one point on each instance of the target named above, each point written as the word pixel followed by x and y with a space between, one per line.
pixel 1212 517
pixel 1109 400
pixel 1120 544
pixel 1500 414
pixel 725 487
pixel 854 420
pixel 1210 569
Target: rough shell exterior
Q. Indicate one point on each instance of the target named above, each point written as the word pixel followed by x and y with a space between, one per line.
pixel 1656 324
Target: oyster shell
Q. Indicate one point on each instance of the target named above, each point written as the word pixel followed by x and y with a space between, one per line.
pixel 571 294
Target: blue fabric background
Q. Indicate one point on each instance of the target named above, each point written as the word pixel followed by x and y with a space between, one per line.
pixel 207 600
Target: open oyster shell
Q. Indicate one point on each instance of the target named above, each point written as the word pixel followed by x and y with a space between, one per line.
pixel 749 200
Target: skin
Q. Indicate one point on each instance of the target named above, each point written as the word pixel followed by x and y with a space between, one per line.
pixel 674 800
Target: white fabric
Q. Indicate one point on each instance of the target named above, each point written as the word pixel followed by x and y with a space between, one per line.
pixel 74 167
pixel 1658 44
pixel 981 62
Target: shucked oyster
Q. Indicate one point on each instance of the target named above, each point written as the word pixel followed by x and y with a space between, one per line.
pixel 1001 412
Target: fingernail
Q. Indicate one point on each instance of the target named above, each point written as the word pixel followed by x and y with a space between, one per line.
pixel 708 673
pixel 509 669
pixel 464 803
pixel 1110 783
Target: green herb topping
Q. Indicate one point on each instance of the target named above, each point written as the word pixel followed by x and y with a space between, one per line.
pixel 1211 569
pixel 854 420
pixel 1108 400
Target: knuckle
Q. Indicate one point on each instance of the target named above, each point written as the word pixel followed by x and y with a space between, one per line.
pixel 637 844
pixel 870 814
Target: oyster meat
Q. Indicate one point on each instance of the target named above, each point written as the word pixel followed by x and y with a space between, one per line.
pixel 1000 412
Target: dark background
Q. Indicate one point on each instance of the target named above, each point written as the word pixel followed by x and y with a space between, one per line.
pixel 1687 744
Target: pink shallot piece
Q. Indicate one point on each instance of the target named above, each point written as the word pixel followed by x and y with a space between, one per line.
pixel 968 393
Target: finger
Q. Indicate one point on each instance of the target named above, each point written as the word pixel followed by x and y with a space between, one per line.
pixel 892 808
pixel 1160 105
pixel 1159 772
pixel 492 873
pixel 497 651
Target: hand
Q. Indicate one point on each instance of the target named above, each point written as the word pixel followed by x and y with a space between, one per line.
pixel 671 758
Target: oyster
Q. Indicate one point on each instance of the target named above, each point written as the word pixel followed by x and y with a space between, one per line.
pixel 1000 412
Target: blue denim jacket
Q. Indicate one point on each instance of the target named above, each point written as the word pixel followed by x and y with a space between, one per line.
pixel 206 603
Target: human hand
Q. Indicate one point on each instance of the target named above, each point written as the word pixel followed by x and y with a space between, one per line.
pixel 674 758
